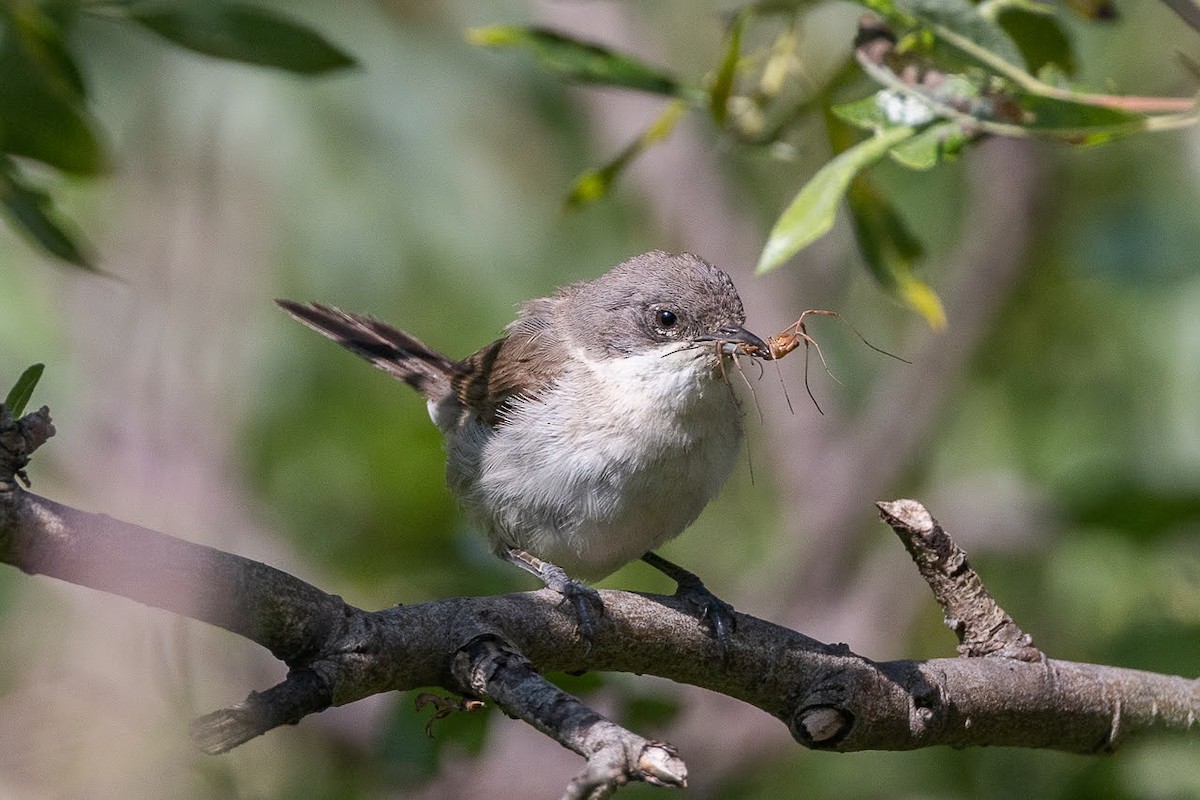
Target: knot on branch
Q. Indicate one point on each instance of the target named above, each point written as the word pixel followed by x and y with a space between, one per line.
pixel 18 439
pixel 821 726
pixel 823 717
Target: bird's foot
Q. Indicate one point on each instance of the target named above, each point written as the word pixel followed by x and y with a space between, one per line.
pixel 589 607
pixel 719 615
pixel 715 612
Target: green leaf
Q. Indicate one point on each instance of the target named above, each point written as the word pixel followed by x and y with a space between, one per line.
pixel 18 396
pixel 42 28
pixel 32 213
pixel 1041 39
pixel 864 114
pixel 931 146
pixel 722 86
pixel 1075 122
pixel 242 33
pixel 596 183
pixel 573 60
pixel 964 19
pixel 891 251
pixel 812 212
pixel 41 100
pixel 923 151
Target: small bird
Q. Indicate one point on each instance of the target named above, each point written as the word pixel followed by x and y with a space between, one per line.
pixel 595 430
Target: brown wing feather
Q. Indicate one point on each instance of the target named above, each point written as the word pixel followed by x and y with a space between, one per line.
pixel 522 364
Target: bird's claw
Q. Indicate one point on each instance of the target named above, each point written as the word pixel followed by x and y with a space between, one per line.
pixel 719 615
pixel 589 608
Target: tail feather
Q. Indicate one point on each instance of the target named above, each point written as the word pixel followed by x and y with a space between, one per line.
pixel 391 350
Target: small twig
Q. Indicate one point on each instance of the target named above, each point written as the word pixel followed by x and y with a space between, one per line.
pixel 18 439
pixel 488 666
pixel 303 692
pixel 982 626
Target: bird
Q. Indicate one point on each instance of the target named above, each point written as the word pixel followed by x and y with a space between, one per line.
pixel 595 430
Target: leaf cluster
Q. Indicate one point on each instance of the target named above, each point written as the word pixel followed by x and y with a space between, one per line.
pixel 929 79
pixel 45 119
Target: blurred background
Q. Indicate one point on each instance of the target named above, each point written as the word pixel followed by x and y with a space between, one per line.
pixel 1053 428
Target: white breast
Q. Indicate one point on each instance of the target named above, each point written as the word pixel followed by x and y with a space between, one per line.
pixel 615 459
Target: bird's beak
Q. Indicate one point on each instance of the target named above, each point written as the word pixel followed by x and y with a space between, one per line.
pixel 733 335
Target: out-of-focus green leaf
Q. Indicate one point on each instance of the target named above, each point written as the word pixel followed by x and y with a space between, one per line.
pixel 964 19
pixel 596 183
pixel 891 250
pixel 929 147
pixel 41 100
pixel 1078 123
pixel 242 33
pixel 864 114
pixel 32 213
pixel 812 212
pixel 42 28
pixel 573 60
pixel 923 151
pixel 722 86
pixel 22 390
pixel 1041 39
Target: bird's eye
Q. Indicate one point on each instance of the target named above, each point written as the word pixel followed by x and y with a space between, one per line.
pixel 665 318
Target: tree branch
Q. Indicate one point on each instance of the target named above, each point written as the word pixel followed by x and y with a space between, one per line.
pixel 983 628
pixel 498 648
pixel 488 666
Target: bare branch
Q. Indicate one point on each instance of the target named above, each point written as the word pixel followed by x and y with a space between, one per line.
pixel 488 666
pixel 18 439
pixel 498 648
pixel 983 628
pixel 304 692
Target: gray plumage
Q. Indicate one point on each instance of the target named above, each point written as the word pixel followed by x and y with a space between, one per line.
pixel 599 426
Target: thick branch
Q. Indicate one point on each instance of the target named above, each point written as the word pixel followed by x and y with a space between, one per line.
pixel 497 647
pixel 829 697
pixel 289 617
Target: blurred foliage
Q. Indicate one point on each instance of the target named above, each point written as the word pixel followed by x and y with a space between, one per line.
pixel 951 71
pixel 427 188
pixel 44 113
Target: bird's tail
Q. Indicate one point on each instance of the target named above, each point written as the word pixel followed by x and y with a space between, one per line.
pixel 392 350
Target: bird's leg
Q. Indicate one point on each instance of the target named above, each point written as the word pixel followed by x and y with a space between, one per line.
pixel 716 612
pixel 586 600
